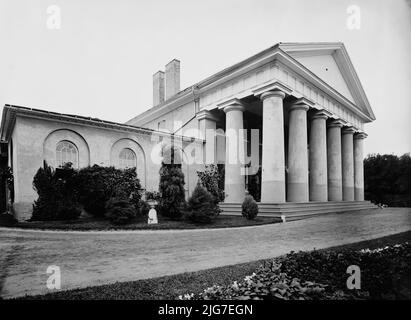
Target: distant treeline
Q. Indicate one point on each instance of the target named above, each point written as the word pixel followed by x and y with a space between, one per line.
pixel 388 179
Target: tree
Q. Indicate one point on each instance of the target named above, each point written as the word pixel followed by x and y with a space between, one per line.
pixel 210 179
pixel 172 191
pixel 387 179
pixel 57 194
pixel 201 207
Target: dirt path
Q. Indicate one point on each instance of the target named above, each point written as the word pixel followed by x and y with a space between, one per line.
pixel 95 258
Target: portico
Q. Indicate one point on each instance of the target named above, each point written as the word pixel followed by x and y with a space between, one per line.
pixel 312 137
pixel 324 155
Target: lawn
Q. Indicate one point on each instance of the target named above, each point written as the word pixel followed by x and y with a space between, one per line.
pixel 100 224
pixel 170 287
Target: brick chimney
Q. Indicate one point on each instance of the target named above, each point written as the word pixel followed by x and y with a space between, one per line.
pixel 172 78
pixel 158 88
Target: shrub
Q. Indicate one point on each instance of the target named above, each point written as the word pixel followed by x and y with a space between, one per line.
pixel 381 269
pixel 249 208
pixel 322 275
pixel 144 208
pixel 211 178
pixel 201 207
pixel 98 184
pixel 57 195
pixel 152 195
pixel 7 220
pixel 172 191
pixel 120 211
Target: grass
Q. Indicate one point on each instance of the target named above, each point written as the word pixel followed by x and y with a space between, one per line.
pixel 101 224
pixel 170 287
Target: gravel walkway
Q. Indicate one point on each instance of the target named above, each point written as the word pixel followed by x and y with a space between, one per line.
pixel 95 258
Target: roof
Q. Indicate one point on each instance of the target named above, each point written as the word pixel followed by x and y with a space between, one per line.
pixel 283 49
pixel 10 112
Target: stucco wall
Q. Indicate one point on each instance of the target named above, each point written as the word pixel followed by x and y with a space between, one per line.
pixel 176 120
pixel 35 140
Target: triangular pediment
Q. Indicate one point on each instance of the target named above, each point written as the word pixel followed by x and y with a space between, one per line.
pixel 330 63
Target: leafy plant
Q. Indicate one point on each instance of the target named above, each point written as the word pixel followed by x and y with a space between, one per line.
pixel 57 196
pixel 98 184
pixel 172 191
pixel 387 179
pixel 211 179
pixel 201 207
pixel 152 195
pixel 249 208
pixel 7 220
pixel 321 275
pixel 120 211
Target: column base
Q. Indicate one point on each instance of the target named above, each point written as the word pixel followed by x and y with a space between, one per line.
pixel 273 191
pixel 297 192
pixel 358 194
pixel 235 193
pixel 348 193
pixel 319 192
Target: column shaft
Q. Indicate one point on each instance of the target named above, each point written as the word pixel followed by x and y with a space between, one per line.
pixel 273 162
pixel 318 158
pixel 347 148
pixel 334 171
pixel 234 179
pixel 297 183
pixel 359 167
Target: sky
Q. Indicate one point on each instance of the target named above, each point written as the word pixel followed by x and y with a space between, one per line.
pixel 101 60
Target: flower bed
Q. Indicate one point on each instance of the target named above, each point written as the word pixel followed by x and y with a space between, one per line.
pixel 322 275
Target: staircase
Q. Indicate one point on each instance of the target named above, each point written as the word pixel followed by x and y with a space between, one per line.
pixel 296 211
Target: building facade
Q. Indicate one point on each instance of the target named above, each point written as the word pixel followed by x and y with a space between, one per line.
pixel 291 116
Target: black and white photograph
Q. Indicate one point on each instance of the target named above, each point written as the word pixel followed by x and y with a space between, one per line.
pixel 205 154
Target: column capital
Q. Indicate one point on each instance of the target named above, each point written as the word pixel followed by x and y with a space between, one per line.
pixel 302 103
pixel 206 115
pixel 321 114
pixel 275 88
pixel 360 135
pixel 348 130
pixel 231 104
pixel 338 123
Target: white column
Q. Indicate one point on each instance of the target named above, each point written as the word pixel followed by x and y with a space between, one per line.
pixel 207 126
pixel 297 184
pixel 334 171
pixel 359 166
pixel 347 149
pixel 273 162
pixel 234 179
pixel 318 157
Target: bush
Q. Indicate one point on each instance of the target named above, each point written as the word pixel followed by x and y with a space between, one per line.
pixel 322 275
pixel 387 179
pixel 201 207
pixel 98 184
pixel 61 191
pixel 381 269
pixel 249 208
pixel 172 191
pixel 144 208
pixel 120 211
pixel 211 179
pixel 57 195
pixel 7 220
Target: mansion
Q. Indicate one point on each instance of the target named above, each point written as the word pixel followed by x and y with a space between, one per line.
pixel 304 102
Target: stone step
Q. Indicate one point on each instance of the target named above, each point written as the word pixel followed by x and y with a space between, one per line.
pixel 294 211
pixel 300 205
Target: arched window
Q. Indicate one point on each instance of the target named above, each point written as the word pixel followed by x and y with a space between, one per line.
pixel 127 158
pixel 66 152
